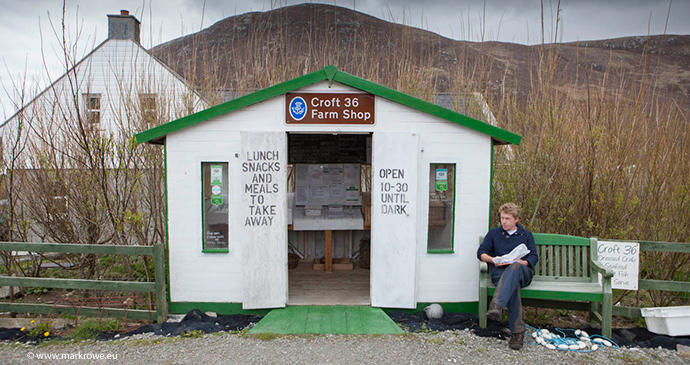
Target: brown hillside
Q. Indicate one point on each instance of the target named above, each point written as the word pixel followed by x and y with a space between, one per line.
pixel 255 50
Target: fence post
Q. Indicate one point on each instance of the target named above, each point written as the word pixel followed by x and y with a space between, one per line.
pixel 161 301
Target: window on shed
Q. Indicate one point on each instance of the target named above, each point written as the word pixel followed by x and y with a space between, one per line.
pixel 441 207
pixel 214 197
pixel 93 110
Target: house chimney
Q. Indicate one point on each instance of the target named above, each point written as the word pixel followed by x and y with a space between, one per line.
pixel 123 26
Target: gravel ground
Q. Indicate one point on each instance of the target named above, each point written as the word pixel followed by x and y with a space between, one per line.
pixel 449 347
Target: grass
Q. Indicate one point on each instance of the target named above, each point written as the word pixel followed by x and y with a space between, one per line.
pixel 629 359
pixel 265 336
pixel 438 341
pixel 192 334
pixel 90 329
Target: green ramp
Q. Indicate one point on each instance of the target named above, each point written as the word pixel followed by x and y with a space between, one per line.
pixel 342 319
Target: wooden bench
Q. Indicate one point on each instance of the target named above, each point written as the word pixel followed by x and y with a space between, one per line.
pixel 566 277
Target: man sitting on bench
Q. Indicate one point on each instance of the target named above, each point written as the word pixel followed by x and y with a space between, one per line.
pixel 509 275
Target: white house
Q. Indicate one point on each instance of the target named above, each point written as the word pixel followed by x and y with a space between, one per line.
pixel 118 86
pixel 293 163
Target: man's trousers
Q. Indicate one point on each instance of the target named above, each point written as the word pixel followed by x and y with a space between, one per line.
pixel 508 281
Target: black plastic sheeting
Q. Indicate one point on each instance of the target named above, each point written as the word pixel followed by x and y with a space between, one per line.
pixel 195 320
pixel 628 337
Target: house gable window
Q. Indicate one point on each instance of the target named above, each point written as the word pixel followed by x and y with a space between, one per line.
pixel 93 110
pixel 149 109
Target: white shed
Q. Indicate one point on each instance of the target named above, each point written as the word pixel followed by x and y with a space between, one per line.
pixel 326 163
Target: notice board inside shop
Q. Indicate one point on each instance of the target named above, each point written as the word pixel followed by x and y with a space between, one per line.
pixel 327 148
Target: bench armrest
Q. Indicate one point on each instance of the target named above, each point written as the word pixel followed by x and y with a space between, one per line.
pixel 483 267
pixel 605 272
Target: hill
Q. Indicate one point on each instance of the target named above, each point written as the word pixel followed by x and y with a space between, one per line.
pixel 258 49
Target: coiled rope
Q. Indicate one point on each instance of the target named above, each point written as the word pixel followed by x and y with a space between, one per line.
pixel 581 341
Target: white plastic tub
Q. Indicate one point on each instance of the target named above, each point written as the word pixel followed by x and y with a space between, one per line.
pixel 671 321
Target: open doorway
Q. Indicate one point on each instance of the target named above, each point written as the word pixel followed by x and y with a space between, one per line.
pixel 329 203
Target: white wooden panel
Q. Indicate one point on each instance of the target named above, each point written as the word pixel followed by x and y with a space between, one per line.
pixel 394 223
pixel 196 276
pixel 264 219
pixel 324 87
pixel 453 277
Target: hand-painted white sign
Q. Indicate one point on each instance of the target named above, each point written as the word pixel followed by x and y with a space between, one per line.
pixel 263 180
pixel 394 220
pixel 624 259
pixel 394 187
pixel 261 166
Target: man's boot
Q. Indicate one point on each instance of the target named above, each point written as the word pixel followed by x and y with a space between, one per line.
pixel 495 312
pixel 516 340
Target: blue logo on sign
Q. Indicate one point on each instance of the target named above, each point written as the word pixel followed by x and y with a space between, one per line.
pixel 298 108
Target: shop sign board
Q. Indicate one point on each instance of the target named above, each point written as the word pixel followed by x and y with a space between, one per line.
pixel 329 108
pixel 624 259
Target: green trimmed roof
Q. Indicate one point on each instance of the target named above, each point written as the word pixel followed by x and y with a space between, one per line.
pixel 330 73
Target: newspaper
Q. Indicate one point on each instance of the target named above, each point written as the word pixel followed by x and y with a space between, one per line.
pixel 517 253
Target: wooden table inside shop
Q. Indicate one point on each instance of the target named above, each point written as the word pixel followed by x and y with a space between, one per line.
pixel 353 221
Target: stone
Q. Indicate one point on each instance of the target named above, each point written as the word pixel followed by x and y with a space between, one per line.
pixel 211 314
pixel 683 349
pixel 434 311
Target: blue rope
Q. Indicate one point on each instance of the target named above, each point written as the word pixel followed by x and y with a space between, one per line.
pixel 556 339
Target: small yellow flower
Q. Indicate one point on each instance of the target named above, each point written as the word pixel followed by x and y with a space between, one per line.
pixel 22 329
pixel 32 321
pixel 158 342
pixel 46 334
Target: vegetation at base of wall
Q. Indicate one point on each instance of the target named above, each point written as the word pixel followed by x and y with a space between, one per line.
pixel 611 160
pixel 39 328
pixel 90 329
pixel 265 336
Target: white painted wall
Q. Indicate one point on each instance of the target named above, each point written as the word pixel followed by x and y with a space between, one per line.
pixel 213 277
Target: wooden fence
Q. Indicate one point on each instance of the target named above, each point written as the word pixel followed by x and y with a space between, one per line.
pixel 158 287
pixel 664 285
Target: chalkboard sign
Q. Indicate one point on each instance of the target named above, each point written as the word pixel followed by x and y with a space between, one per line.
pixel 327 148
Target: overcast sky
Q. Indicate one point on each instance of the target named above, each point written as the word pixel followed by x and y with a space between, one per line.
pixel 25 29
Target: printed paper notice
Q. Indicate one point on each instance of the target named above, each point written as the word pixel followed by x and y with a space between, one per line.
pixel 337 189
pixel 351 173
pixel 320 191
pixel 315 174
pixel 301 194
pixel 352 194
pixel 301 173
pixel 335 171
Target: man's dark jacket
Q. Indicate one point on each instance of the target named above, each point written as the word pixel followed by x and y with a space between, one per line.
pixel 498 243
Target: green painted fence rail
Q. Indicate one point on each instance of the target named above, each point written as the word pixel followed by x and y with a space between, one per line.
pixel 157 287
pixel 645 284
